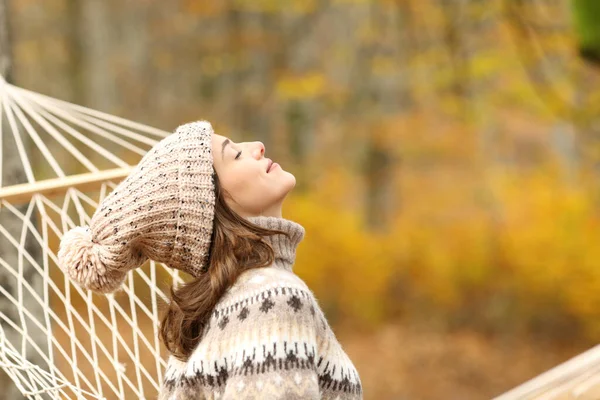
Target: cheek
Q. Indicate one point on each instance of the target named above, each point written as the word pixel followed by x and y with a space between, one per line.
pixel 243 179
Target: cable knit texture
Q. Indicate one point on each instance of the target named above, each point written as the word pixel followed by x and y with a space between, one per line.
pixel 163 211
pixel 267 338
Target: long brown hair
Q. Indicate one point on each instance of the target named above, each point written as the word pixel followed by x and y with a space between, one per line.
pixel 236 246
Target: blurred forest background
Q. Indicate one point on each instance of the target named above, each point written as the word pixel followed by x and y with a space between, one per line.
pixel 446 154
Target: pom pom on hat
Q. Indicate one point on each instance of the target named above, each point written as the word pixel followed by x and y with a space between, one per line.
pixel 79 258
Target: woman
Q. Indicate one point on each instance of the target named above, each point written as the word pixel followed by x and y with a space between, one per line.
pixel 246 326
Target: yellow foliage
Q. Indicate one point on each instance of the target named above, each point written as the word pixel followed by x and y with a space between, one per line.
pixel 204 8
pixel 212 65
pixel 342 262
pixel 301 86
pixel 536 240
pixel 266 6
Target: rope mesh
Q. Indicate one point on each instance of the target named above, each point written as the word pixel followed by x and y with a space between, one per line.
pixel 57 340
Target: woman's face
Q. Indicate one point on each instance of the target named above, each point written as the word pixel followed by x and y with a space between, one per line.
pixel 242 171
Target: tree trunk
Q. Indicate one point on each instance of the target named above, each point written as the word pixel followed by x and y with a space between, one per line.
pixel 13 173
pixel 5 49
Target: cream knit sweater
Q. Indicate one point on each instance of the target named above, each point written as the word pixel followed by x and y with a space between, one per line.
pixel 267 339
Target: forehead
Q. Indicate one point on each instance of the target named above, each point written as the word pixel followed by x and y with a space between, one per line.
pixel 218 138
pixel 217 146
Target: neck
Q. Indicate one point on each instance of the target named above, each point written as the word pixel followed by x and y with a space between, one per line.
pixel 284 247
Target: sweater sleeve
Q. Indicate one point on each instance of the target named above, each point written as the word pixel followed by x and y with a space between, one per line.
pixel 274 357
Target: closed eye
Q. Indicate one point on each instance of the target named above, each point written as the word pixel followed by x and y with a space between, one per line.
pixel 238 155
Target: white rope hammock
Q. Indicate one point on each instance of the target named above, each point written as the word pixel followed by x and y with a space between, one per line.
pixel 84 345
pixel 59 341
pixel 577 378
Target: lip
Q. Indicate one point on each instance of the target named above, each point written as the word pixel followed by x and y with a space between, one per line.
pixel 269 165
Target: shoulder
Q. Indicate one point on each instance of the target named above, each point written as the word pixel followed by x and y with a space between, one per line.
pixel 263 282
pixel 257 278
pixel 271 315
pixel 267 291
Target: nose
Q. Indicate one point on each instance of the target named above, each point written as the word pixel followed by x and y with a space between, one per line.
pixel 259 149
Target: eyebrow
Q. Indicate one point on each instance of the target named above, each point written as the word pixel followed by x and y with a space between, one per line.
pixel 225 143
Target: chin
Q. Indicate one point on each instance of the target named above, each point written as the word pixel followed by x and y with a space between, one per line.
pixel 284 186
pixel 289 181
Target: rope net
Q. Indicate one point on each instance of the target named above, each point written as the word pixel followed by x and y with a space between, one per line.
pixel 57 162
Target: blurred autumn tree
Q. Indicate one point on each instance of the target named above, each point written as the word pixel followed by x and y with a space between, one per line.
pixel 586 17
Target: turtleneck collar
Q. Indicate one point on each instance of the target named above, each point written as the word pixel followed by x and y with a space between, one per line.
pixel 284 248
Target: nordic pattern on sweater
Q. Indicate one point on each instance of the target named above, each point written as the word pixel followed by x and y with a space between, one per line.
pixel 267 338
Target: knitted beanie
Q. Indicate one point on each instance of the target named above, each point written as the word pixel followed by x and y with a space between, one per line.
pixel 163 210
